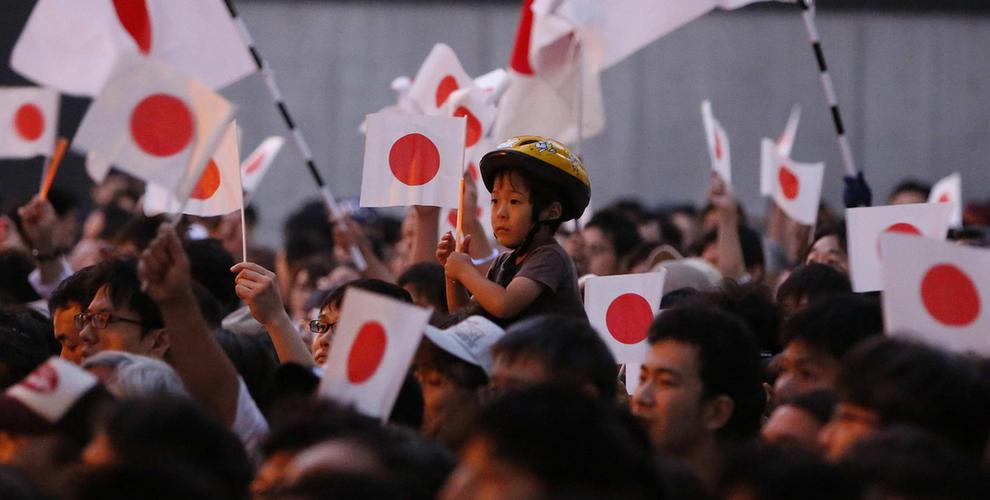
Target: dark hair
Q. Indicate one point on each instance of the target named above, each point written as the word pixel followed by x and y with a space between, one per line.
pixel 254 358
pixel 570 349
pixel 427 278
pixel 819 404
pixel 161 481
pixel 909 383
pixel 345 484
pixel 541 194
pixel 769 472
pixel 619 229
pixel 15 266
pixel 461 373
pixel 139 231
pixel 563 438
pixel 834 324
pixel 26 341
pixel 171 430
pixel 209 264
pixel 335 297
pixel 749 240
pixel 299 423
pixel 751 302
pixel 308 231
pixel 837 229
pixel 77 289
pixel 912 185
pixel 814 281
pixel 728 360
pixel 123 288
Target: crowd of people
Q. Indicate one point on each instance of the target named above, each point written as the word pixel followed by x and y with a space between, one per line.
pixel 141 358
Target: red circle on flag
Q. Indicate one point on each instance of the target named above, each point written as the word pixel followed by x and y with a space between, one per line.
pixel 208 183
pixel 414 159
pixel 162 125
pixel 452 216
pixel 473 126
pixel 473 172
pixel 718 148
pixel 790 186
pixel 254 163
pixel 628 318
pixel 29 122
pixel 950 296
pixel 133 16
pixel 899 228
pixel 447 86
pixel 367 352
pixel 943 198
pixel 43 380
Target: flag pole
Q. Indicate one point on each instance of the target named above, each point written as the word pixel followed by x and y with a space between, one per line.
pixel 243 236
pixel 460 197
pixel 808 14
pixel 46 184
pixel 269 76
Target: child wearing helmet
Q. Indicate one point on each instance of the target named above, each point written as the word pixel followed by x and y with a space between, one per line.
pixel 536 185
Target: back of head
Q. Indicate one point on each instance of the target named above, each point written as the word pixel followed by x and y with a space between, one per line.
pixel 306 232
pixel 811 282
pixel 210 266
pixel 15 266
pixel 619 229
pixel 834 324
pixel 427 279
pixel 26 341
pixel 762 472
pixel 132 376
pixel 728 358
pixel 161 481
pixel 753 304
pixel 569 348
pixel 905 382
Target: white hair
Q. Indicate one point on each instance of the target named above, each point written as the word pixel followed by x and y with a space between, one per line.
pixel 135 376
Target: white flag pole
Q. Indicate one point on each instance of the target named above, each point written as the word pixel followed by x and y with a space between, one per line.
pixel 243 236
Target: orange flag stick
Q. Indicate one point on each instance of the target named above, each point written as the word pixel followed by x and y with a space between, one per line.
pixel 46 185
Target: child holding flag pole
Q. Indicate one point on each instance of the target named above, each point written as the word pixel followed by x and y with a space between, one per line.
pixel 536 184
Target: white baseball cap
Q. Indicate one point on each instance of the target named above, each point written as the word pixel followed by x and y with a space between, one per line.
pixel 470 340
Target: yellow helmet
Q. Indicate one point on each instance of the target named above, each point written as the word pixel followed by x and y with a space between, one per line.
pixel 546 160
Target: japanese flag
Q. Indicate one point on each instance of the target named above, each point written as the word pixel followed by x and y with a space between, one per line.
pixel 52 388
pixel 621 308
pixel 472 104
pixel 154 124
pixel 718 143
pixel 218 191
pixel 440 75
pixel 29 117
pixel 255 166
pixel 412 160
pixel 374 345
pixel 785 143
pixel 795 187
pixel 864 226
pixel 949 191
pixel 72 45
pixel 937 292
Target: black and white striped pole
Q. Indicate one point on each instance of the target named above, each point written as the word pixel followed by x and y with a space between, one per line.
pixel 269 76
pixel 808 13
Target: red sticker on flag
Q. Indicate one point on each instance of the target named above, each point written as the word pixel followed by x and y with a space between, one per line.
pixel 950 296
pixel 414 159
pixel 162 125
pixel 367 352
pixel 133 16
pixel 254 163
pixel 29 122
pixel 718 147
pixel 628 318
pixel 208 183
pixel 447 86
pixel 943 198
pixel 473 126
pixel 790 186
pixel 43 380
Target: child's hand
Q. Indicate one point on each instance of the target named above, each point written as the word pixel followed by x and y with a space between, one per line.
pixel 458 262
pixel 445 247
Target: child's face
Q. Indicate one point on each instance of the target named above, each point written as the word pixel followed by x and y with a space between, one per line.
pixel 512 210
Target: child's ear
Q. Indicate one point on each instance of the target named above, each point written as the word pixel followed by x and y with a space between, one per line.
pixel 552 212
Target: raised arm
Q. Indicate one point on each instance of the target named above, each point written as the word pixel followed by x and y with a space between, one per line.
pixel 258 288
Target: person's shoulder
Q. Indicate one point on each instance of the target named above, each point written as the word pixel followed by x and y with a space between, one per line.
pixel 549 252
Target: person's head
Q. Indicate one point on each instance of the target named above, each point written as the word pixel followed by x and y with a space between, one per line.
pixel 536 184
pixel 752 250
pixel 816 338
pixel 761 472
pixel 426 284
pixel 609 238
pixel 15 266
pixel 888 381
pixel 132 376
pixel 700 382
pixel 121 317
pixel 25 342
pixel 830 248
pixel 324 326
pixel 548 442
pixel 797 422
pixel 554 349
pixel 909 191
pixel 69 299
pixel 753 303
pixel 209 265
pixel 807 284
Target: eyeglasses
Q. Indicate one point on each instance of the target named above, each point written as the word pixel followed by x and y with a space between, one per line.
pixel 99 320
pixel 317 326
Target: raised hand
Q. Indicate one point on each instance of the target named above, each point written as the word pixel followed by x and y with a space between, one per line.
pixel 258 288
pixel 164 267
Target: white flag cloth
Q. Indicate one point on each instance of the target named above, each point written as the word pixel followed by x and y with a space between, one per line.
pixel 52 388
pixel 374 345
pixel 621 308
pixel 864 226
pixel 785 143
pixel 550 90
pixel 718 143
pixel 255 166
pixel 217 192
pixel 72 45
pixel 471 103
pixel 795 187
pixel 440 75
pixel 937 292
pixel 949 191
pixel 412 160
pixel 29 121
pixel 154 124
